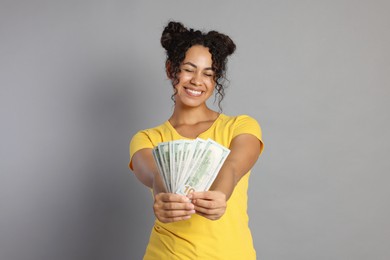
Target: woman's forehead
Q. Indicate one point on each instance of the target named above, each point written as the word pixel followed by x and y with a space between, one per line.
pixel 198 55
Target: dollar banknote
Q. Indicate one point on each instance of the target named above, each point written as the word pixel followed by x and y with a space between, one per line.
pixel 205 169
pixel 189 165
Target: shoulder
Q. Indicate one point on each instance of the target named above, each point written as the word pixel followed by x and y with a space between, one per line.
pixel 148 138
pixel 239 125
pixel 238 120
pixel 151 133
pixel 243 124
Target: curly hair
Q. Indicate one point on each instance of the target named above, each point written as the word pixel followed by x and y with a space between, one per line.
pixel 176 40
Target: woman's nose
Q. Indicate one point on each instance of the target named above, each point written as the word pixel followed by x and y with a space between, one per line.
pixel 196 79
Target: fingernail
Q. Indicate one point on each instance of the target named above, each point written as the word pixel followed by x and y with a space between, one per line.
pixel 189 196
pixel 186 217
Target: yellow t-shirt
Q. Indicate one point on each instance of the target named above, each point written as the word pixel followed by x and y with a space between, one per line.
pixel 201 238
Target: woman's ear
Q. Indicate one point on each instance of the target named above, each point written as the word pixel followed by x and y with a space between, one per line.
pixel 168 69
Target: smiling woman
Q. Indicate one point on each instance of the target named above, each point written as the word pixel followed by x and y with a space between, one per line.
pixel 210 224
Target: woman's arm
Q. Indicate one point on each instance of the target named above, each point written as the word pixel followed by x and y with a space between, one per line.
pixel 145 169
pixel 167 207
pixel 245 150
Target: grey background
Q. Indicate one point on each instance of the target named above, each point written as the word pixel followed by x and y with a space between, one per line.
pixel 79 78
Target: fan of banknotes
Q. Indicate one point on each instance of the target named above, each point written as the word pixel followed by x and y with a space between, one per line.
pixel 189 165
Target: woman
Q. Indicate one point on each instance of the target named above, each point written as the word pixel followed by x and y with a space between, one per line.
pixel 211 224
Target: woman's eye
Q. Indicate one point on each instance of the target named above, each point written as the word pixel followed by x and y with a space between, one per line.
pixel 188 70
pixel 208 75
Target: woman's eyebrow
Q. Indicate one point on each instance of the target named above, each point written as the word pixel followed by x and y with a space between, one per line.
pixel 193 65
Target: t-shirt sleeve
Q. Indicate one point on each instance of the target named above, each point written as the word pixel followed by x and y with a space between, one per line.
pixel 248 125
pixel 139 141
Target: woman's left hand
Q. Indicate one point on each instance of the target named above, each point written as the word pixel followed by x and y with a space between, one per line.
pixel 209 204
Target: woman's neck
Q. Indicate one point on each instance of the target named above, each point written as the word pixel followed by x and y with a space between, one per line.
pixel 192 116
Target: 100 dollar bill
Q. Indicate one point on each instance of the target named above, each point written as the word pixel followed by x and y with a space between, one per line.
pixel 189 165
pixel 205 169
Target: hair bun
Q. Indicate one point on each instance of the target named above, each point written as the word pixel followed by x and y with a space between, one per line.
pixel 223 42
pixel 170 33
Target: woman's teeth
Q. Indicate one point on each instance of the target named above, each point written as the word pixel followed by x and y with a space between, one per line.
pixel 194 92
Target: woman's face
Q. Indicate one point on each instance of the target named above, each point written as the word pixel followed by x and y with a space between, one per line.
pixel 196 78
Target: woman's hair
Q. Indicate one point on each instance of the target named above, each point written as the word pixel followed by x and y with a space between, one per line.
pixel 176 40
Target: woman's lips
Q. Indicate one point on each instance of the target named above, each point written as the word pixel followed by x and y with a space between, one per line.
pixel 194 93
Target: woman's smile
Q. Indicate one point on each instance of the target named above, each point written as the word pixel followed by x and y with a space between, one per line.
pixel 193 92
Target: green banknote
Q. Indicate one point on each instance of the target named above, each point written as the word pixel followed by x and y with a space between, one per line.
pixel 189 165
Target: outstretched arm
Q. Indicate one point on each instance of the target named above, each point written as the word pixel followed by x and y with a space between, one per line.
pixel 167 207
pixel 145 169
pixel 245 150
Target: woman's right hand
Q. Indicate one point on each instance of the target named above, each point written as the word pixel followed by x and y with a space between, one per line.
pixel 170 207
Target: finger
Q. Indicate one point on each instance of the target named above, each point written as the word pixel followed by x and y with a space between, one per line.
pixel 208 211
pixel 177 213
pixel 200 195
pixel 177 206
pixel 207 195
pixel 171 197
pixel 209 204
